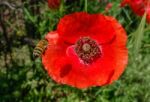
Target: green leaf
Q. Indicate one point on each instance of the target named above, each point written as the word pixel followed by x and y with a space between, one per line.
pixel 30 16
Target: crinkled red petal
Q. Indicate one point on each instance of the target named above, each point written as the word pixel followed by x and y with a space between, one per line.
pixel 121 52
pixel 73 26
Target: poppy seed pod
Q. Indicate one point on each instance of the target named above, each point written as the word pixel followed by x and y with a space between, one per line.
pixel 54 4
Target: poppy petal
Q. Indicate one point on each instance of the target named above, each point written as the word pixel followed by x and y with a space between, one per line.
pixel 80 24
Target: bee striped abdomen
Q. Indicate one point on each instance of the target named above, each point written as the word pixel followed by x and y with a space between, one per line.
pixel 40 48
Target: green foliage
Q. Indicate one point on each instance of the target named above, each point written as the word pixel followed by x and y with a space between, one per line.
pixel 24 79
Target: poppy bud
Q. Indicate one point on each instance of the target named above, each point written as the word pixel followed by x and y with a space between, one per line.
pixel 54 4
pixel 108 7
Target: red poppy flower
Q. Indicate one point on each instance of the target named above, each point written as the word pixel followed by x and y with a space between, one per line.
pixel 86 50
pixel 53 4
pixel 139 7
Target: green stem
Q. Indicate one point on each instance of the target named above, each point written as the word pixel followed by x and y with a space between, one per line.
pixel 61 9
pixel 146 29
pixel 85 5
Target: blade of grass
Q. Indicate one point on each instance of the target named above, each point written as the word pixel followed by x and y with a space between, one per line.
pixel 147 45
pixel 138 35
pixel 29 16
pixel 127 15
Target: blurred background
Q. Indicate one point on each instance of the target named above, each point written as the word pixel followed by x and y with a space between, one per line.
pixel 22 78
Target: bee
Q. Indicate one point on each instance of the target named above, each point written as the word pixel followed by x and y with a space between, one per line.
pixel 40 48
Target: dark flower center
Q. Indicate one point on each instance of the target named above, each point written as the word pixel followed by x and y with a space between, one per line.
pixel 88 50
